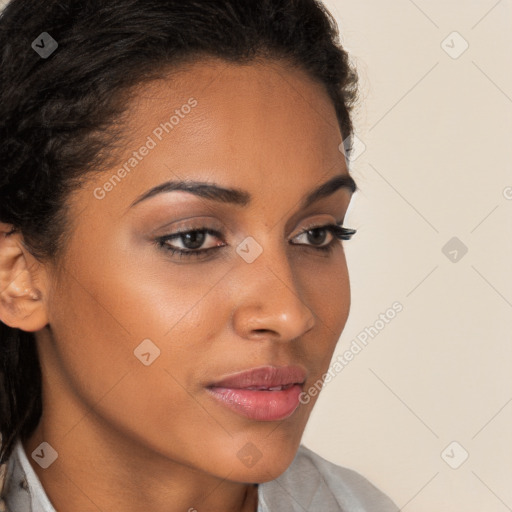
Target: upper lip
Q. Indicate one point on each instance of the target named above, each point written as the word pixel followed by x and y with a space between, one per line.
pixel 263 377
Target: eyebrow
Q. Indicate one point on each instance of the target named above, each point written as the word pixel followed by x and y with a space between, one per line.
pixel 240 197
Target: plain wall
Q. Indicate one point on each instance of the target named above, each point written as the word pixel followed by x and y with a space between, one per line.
pixel 437 132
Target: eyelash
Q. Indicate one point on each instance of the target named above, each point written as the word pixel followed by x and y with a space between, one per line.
pixel 339 233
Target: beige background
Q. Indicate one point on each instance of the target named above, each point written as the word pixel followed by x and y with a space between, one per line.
pixel 437 137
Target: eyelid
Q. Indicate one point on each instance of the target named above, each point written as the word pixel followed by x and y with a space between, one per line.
pixel 319 224
pixel 217 234
pixel 199 225
pixel 337 231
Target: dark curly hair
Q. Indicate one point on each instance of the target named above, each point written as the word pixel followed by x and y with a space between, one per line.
pixel 59 116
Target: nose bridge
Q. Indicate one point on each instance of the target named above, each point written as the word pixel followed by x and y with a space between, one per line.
pixel 268 295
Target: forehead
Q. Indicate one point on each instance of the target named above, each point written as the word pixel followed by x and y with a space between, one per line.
pixel 265 126
pixel 239 107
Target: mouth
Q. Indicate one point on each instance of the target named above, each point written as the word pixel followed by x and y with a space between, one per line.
pixel 267 393
pixel 266 388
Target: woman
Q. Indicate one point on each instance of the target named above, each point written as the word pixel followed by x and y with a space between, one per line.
pixel 173 280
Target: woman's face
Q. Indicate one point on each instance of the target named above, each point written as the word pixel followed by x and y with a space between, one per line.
pixel 139 335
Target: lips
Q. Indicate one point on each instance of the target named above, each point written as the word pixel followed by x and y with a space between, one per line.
pixel 270 378
pixel 266 393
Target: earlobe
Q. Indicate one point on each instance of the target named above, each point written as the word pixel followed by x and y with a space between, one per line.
pixel 21 300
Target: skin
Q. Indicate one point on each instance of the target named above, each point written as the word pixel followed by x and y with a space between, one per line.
pixel 133 437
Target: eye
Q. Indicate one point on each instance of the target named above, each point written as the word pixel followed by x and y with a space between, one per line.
pixel 192 240
pixel 317 236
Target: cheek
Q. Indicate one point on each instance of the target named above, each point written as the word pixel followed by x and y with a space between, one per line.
pixel 327 289
pixel 331 290
pixel 102 312
pixel 95 341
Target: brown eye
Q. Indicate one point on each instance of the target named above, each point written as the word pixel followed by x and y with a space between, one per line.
pixel 316 236
pixel 191 242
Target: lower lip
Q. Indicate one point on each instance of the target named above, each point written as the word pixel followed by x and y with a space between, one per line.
pixel 260 405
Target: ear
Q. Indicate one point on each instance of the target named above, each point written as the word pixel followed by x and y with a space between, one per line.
pixel 22 284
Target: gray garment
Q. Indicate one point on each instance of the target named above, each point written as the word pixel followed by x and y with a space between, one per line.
pixel 311 483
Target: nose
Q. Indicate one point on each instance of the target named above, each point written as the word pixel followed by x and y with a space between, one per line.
pixel 269 299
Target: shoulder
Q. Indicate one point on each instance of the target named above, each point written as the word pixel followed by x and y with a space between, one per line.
pixel 3 478
pixel 3 475
pixel 314 483
pixel 14 487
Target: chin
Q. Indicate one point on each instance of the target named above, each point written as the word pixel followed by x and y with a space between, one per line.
pixel 263 461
